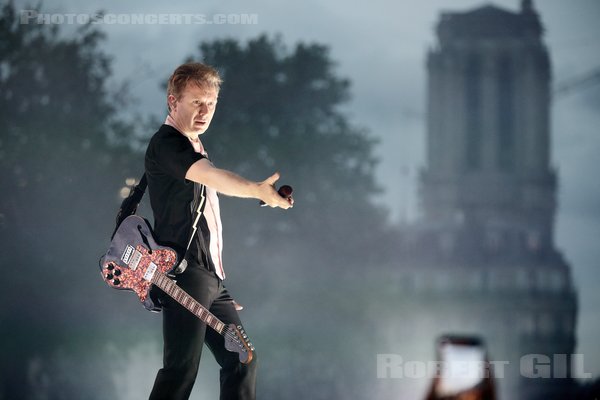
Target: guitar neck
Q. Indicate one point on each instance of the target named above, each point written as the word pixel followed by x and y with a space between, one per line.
pixel 182 297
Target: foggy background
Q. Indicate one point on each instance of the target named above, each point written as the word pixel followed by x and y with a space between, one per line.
pixel 299 274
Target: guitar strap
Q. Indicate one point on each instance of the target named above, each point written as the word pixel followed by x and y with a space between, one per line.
pixel 130 203
pixel 129 207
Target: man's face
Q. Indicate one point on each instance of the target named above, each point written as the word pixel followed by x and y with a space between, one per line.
pixel 194 109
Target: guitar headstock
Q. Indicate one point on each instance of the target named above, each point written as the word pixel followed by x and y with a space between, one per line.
pixel 237 341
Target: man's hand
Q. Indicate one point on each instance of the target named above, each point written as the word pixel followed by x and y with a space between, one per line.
pixel 270 196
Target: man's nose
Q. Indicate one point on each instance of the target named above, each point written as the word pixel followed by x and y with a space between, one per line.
pixel 203 109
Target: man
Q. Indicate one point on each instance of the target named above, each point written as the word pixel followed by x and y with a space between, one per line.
pixel 183 186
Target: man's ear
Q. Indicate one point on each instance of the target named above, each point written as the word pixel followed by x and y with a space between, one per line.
pixel 171 102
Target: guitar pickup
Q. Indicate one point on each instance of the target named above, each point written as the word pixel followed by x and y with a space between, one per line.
pixel 150 272
pixel 135 260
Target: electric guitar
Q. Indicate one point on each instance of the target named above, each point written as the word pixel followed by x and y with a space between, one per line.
pixel 134 261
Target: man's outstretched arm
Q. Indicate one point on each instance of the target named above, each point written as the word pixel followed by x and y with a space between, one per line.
pixel 231 184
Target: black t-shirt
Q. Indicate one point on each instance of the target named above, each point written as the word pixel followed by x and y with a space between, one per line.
pixel 175 200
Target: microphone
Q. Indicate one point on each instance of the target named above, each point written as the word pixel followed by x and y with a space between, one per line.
pixel 284 191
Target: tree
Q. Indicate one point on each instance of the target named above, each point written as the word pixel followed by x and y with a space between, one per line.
pixel 63 154
pixel 64 151
pixel 281 109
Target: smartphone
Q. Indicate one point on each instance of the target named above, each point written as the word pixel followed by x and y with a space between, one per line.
pixel 463 364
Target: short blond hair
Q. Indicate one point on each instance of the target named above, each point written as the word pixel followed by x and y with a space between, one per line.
pixel 198 73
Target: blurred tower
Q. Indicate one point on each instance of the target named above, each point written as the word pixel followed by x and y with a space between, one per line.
pixel 489 198
pixel 488 126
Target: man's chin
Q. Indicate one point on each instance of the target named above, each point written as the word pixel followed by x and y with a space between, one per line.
pixel 200 129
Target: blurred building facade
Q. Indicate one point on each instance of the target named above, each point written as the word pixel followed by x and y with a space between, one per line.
pixel 482 260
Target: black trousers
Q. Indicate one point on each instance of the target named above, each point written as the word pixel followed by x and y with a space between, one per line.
pixel 184 335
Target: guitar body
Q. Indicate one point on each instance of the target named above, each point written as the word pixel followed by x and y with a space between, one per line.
pixel 134 254
pixel 134 261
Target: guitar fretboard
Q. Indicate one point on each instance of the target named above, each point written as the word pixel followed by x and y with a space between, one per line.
pixel 183 298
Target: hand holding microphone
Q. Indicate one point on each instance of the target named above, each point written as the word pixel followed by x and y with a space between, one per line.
pixel 284 191
pixel 269 197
